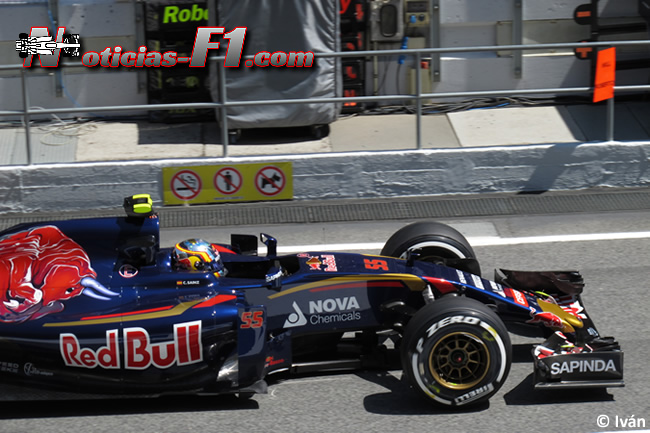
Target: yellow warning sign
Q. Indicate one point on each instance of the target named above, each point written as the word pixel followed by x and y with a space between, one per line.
pixel 228 183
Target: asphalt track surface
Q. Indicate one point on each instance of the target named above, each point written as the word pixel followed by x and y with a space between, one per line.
pixel 616 272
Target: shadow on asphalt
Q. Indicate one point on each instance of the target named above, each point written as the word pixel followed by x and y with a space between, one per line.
pixel 122 406
pixel 209 133
pixel 526 394
pixel 401 399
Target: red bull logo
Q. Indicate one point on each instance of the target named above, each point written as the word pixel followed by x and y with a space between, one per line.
pixel 139 352
pixel 548 319
pixel 39 268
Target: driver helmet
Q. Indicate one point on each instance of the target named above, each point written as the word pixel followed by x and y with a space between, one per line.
pixel 198 255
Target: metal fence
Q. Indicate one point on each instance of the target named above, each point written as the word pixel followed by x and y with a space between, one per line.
pixel 418 97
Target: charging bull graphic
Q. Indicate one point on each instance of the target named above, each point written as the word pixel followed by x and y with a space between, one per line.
pixel 39 268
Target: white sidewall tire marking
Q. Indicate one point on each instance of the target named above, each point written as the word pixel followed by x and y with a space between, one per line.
pixel 435 244
pixel 502 348
pixel 418 379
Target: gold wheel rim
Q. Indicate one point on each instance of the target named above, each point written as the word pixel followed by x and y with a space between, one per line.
pixel 459 360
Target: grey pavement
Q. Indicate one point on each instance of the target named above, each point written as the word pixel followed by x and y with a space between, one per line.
pixel 105 140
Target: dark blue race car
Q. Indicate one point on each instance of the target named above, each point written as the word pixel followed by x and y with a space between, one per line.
pixel 97 305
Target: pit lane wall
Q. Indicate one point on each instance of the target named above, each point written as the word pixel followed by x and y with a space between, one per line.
pixel 103 185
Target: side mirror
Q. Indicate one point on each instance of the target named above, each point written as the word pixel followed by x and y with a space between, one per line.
pixel 271 244
pixel 274 278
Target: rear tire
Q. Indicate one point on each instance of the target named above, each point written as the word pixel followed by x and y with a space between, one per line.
pixel 456 351
pixel 433 241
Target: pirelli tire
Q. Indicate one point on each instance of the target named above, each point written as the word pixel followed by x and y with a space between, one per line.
pixel 456 351
pixel 432 241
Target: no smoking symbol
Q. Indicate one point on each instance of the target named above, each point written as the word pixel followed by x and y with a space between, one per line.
pixel 270 181
pixel 228 180
pixel 186 185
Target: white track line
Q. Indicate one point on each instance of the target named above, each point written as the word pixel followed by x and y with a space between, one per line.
pixel 480 241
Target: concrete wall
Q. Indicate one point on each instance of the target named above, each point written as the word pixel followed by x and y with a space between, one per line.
pixel 81 186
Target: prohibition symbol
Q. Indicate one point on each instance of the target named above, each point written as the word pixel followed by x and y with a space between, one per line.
pixel 228 180
pixel 186 185
pixel 270 181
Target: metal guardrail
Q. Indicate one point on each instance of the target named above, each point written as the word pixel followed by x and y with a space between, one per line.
pixel 224 103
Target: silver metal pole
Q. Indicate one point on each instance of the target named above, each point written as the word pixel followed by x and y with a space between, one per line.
pixel 28 144
pixel 375 72
pixel 610 119
pixel 517 37
pixel 418 102
pixel 434 42
pixel 223 110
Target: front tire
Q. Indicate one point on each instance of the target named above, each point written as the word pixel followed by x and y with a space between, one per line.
pixel 456 351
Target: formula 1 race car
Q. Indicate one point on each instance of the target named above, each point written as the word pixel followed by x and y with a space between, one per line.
pixel 210 318
pixel 44 45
